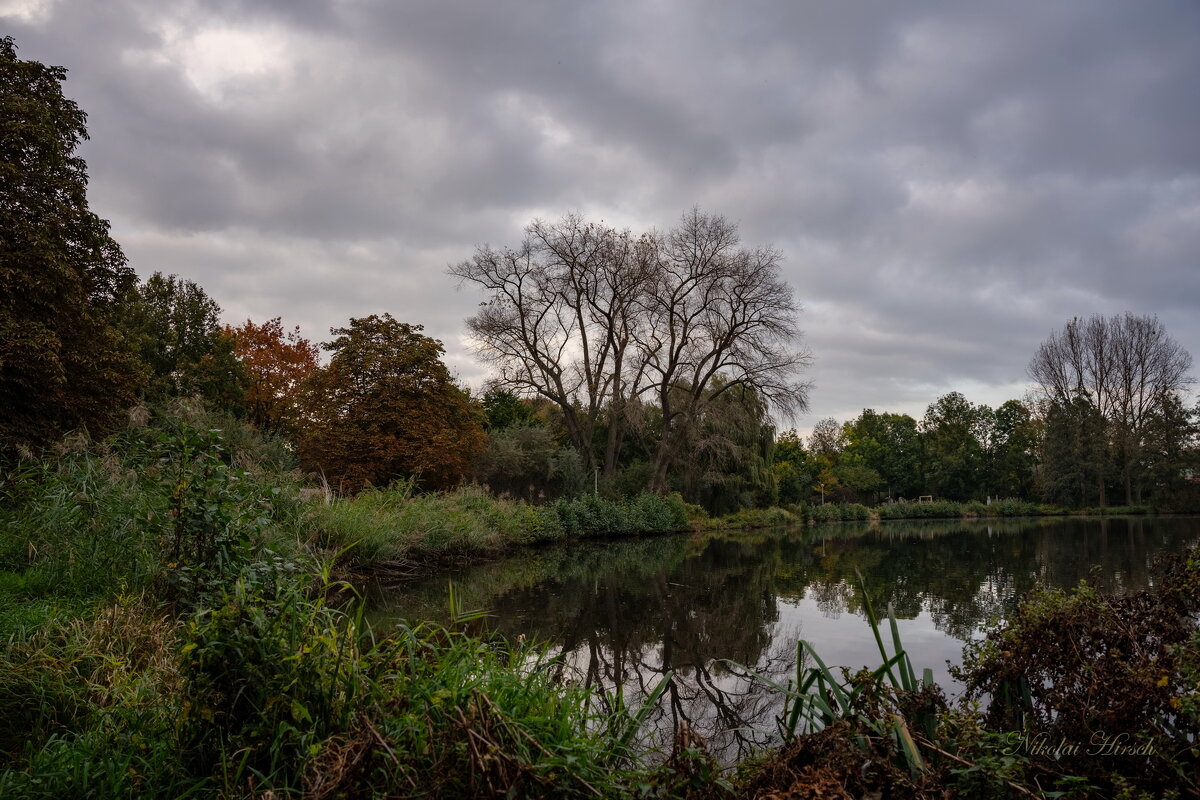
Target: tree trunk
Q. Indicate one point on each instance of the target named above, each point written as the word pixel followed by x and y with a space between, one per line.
pixel 659 481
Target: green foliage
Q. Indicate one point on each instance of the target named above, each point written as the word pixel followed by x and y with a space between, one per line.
pixel 1011 448
pixel 88 706
pixel 395 525
pixel 279 692
pixel 725 456
pixel 505 410
pixel 838 512
pixel 176 329
pixel 251 682
pixel 1074 453
pixel 953 430
pixel 885 452
pixel 945 509
pixel 62 364
pixel 217 518
pixel 524 461
pixel 591 515
pixel 749 519
pixel 100 517
pixel 81 525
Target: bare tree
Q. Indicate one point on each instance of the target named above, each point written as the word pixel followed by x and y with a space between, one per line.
pixel 718 317
pixel 1125 366
pixel 599 321
pixel 559 318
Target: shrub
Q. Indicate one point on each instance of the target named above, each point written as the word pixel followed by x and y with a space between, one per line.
pixel 838 512
pixel 938 509
pixel 1073 666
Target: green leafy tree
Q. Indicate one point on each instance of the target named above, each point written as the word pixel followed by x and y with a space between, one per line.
pixel 525 461
pixel 1074 462
pixel 62 364
pixel 952 430
pixel 1171 455
pixel 185 350
pixel 794 472
pixel 504 409
pixel 386 407
pixel 1011 450
pixel 825 446
pixel 889 445
pixel 727 453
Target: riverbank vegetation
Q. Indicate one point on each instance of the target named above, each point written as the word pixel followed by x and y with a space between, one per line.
pixel 946 509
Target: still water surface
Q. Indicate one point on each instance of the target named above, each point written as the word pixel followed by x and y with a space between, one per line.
pixel 621 613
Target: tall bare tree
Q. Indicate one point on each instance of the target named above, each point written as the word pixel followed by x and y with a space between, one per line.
pixel 1127 367
pixel 716 311
pixel 600 321
pixel 558 322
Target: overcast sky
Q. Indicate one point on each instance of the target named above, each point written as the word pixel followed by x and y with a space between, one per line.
pixel 949 182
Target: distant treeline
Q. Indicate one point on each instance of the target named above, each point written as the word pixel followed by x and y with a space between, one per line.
pixel 1107 423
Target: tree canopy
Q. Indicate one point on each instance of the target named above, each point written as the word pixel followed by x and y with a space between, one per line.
pixel 386 407
pixel 62 364
pixel 277 365
pixel 185 351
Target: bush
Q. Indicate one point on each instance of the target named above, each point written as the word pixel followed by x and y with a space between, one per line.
pixel 838 512
pixel 938 509
pixel 1073 666
pixel 591 515
pixel 166 503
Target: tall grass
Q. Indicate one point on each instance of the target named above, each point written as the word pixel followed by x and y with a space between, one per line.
pixel 383 526
pixel 274 690
pixel 97 519
pixel 78 526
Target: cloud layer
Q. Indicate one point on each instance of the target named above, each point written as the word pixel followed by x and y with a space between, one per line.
pixel 949 181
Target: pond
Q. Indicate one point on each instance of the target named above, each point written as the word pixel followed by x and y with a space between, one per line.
pixel 622 613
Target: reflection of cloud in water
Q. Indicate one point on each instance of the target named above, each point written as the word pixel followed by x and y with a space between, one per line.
pixel 853 646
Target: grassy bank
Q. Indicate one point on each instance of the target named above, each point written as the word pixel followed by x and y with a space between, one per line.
pixel 265 688
pixel 395 527
pixel 945 509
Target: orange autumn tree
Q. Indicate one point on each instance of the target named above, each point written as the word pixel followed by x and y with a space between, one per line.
pixel 277 365
pixel 385 408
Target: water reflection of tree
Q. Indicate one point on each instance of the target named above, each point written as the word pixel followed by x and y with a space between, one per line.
pixel 624 613
pixel 625 634
pixel 965 573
